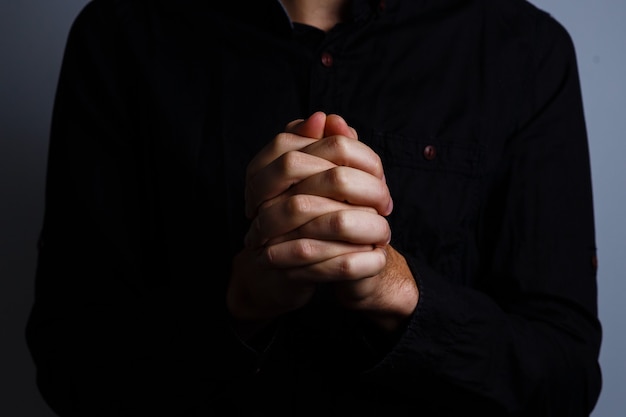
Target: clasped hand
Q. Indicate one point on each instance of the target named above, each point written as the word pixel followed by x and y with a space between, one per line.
pixel 317 200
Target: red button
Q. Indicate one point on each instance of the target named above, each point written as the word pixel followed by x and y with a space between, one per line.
pixel 327 59
pixel 430 152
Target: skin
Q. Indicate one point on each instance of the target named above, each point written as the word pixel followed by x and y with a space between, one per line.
pixel 323 14
pixel 317 199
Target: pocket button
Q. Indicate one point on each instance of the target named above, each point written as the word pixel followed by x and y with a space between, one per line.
pixel 430 152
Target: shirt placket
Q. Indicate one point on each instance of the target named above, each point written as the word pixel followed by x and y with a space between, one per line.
pixel 325 90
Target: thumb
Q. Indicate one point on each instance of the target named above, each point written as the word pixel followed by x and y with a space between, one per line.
pixel 312 127
pixel 336 125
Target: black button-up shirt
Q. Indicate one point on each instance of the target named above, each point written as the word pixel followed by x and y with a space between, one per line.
pixel 475 109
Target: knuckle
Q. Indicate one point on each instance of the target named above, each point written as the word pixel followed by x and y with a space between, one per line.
pixel 338 177
pixel 346 266
pixel 340 146
pixel 281 139
pixel 303 249
pixel 289 160
pixel 268 255
pixel 339 222
pixel 298 204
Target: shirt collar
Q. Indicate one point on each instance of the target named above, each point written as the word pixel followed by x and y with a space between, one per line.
pixel 270 15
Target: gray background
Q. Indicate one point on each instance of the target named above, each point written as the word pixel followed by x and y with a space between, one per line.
pixel 32 37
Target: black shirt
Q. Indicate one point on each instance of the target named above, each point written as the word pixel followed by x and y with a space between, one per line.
pixel 475 109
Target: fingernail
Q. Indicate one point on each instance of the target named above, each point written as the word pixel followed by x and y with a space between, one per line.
pixel 390 206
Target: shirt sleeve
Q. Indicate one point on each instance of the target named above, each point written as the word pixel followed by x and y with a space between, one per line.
pixel 525 340
pixel 111 332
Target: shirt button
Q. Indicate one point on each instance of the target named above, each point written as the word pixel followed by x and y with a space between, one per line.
pixel 327 59
pixel 430 152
